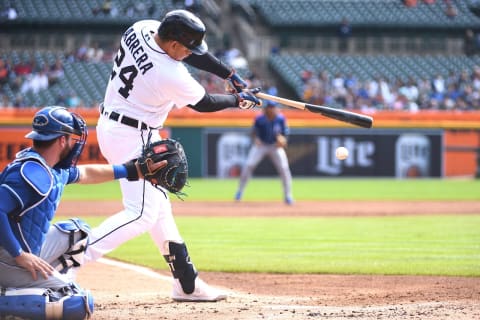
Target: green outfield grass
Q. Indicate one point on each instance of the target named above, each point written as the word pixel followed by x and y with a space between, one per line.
pixel 411 245
pixel 307 189
pixel 427 245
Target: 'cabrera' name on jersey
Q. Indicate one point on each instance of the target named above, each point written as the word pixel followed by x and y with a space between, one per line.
pixel 140 56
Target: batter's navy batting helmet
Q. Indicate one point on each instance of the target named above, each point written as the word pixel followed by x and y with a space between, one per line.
pixel 53 122
pixel 186 28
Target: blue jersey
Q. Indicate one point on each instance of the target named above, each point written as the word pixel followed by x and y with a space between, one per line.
pixel 30 191
pixel 267 130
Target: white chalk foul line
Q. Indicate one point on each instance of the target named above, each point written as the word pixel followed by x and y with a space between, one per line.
pixel 139 269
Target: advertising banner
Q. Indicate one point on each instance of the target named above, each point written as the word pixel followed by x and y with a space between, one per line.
pixel 311 152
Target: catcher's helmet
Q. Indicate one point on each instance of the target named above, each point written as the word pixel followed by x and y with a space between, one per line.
pixel 186 28
pixel 52 122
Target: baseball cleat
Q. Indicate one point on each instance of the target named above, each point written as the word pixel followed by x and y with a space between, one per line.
pixel 289 201
pixel 238 196
pixel 202 293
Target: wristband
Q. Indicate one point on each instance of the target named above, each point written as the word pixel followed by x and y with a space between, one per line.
pixel 119 171
pixel 132 173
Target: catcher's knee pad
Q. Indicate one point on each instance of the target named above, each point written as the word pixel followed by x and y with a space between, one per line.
pixel 78 232
pixel 180 265
pixel 69 303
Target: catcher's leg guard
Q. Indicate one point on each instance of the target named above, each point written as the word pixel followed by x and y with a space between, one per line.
pixel 69 303
pixel 78 232
pixel 180 265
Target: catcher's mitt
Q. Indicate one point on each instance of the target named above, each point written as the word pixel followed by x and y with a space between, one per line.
pixel 173 176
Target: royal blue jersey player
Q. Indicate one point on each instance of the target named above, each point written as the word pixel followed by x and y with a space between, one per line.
pixel 269 134
pixel 36 258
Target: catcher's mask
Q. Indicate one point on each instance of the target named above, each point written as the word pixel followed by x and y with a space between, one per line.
pixel 186 28
pixel 52 122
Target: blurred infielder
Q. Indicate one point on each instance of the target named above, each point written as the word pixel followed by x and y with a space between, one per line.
pixel 35 257
pixel 148 80
pixel 269 134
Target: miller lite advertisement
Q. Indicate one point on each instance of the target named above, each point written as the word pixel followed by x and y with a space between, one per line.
pixel 401 153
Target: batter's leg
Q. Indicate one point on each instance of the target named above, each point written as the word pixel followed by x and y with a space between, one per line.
pixel 144 204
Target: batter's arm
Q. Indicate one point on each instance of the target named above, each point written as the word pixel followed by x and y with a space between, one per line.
pixel 215 102
pixel 208 62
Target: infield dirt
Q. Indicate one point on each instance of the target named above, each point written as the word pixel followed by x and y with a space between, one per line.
pixel 125 294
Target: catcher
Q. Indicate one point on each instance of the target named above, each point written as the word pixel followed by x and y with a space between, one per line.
pixel 36 258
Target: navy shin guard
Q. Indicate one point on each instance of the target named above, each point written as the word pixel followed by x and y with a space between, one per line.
pixel 181 266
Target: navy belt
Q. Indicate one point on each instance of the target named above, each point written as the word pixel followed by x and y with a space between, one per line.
pixel 131 122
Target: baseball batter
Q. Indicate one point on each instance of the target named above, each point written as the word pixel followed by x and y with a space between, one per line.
pixel 148 80
pixel 269 138
pixel 35 257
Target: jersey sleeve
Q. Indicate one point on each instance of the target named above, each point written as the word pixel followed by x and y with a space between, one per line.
pixel 73 175
pixel 183 88
pixel 10 202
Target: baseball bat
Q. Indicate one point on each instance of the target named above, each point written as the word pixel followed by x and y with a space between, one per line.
pixel 337 114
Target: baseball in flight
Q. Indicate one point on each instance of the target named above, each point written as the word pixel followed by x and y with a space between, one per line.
pixel 341 153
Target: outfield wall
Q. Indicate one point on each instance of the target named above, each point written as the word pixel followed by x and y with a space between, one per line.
pixel 430 144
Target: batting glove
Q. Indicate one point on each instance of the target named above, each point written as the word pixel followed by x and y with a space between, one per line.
pixel 237 82
pixel 246 100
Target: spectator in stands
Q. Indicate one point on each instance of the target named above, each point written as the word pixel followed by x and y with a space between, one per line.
pixel 339 91
pixel 35 82
pixel 438 84
pixel 94 53
pixel 344 34
pixel 476 78
pixel 73 100
pixel 451 10
pixel 55 72
pixel 387 97
pixel 81 54
pixel 192 6
pixel 9 13
pixel 469 47
pixel 105 8
pixel 129 10
pixel 5 102
pixel 410 3
pixel 24 68
pixel 19 102
pixel 4 73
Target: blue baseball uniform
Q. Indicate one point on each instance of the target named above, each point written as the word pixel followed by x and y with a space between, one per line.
pixel 30 191
pixel 266 130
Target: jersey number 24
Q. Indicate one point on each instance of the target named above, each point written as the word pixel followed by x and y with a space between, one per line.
pixel 126 74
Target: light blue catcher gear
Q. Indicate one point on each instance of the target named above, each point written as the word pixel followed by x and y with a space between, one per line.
pixel 67 303
pixel 53 122
pixel 73 257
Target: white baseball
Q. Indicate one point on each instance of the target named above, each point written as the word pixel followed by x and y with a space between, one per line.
pixel 341 153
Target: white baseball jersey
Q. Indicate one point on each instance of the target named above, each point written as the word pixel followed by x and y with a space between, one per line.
pixel 146 83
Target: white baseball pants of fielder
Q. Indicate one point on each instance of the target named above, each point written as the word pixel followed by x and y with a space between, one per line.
pixel 279 159
pixel 145 207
